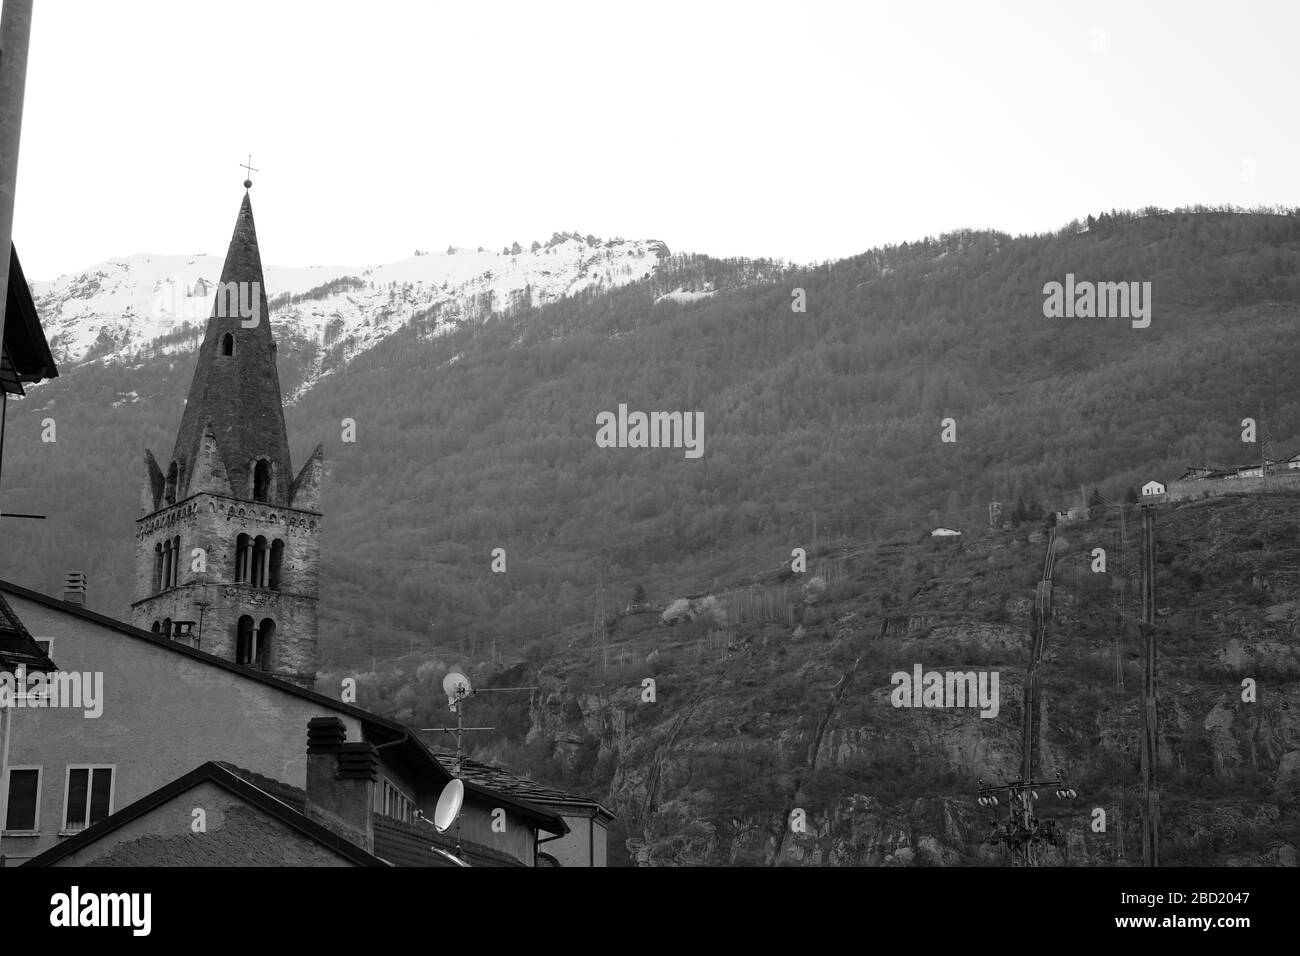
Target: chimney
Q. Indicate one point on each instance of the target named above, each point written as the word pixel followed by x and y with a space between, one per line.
pixel 341 782
pixel 74 589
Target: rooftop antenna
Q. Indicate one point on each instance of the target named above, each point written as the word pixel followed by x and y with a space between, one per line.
pixel 458 689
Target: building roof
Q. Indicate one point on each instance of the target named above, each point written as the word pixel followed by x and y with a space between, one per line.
pixel 416 844
pixel 503 781
pixel 237 395
pixel 24 354
pixel 401 844
pixel 17 646
pixel 376 728
pixel 221 776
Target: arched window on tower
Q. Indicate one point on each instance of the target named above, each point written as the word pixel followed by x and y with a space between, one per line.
pixel 173 473
pixel 261 480
pixel 243 558
pixel 228 344
pixel 277 559
pixel 261 566
pixel 167 627
pixel 265 638
pixel 176 561
pixel 157 569
pixel 167 564
pixel 156 627
pixel 245 641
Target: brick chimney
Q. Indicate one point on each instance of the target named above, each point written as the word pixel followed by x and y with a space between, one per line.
pixel 341 782
pixel 74 588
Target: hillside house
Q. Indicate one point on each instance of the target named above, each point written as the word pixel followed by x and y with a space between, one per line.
pixel 165 706
pixel 945 533
pixel 242 826
pixel 1153 489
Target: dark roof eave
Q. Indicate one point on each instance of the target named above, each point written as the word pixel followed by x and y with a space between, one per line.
pixel 374 721
pixel 24 339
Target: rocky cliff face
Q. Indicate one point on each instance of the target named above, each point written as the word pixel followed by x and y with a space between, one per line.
pixel 769 744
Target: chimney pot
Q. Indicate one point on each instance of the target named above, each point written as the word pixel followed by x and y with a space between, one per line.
pixel 325 735
pixel 74 588
pixel 341 781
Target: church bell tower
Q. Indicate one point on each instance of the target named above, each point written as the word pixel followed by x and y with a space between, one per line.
pixel 228 542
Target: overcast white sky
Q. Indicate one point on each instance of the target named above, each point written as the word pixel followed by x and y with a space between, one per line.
pixel 801 130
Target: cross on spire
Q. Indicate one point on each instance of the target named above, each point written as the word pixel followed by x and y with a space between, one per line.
pixel 248 171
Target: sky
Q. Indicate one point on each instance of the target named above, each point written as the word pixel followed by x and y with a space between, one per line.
pixel 802 130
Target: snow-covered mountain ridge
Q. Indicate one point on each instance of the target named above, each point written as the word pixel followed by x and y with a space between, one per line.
pixel 122 309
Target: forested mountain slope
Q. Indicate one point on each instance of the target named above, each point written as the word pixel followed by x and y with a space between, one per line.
pixel 825 422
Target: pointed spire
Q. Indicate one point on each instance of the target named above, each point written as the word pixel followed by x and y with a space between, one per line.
pixel 152 492
pixel 236 387
pixel 305 493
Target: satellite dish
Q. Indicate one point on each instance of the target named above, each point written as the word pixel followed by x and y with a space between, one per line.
pixel 456 684
pixel 444 815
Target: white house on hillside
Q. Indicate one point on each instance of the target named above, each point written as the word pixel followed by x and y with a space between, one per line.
pixel 1152 488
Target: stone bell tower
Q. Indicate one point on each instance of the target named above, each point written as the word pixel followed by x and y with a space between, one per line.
pixel 228 542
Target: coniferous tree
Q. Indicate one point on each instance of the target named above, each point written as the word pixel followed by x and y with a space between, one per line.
pixel 1095 500
pixel 1131 496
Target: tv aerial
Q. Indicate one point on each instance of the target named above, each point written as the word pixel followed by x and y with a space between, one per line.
pixel 457 688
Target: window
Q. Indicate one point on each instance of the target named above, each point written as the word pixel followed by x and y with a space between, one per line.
pixel 167 627
pixel 23 806
pixel 228 344
pixel 245 639
pixel 262 653
pixel 157 567
pixel 261 479
pixel 243 558
pixel 277 558
pixel 261 570
pixel 29 687
pixel 87 797
pixel 391 802
pixel 176 562
pixel 157 627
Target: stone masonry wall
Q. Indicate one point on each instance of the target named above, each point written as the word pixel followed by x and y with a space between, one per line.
pixel 214 523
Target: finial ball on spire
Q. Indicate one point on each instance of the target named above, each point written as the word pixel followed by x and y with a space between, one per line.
pixel 248 171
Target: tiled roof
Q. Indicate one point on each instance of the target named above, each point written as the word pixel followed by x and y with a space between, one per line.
pixel 503 781
pixel 402 844
pixel 236 783
pixel 409 844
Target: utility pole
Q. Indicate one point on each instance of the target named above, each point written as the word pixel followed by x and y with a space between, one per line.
pixel 15 37
pixel 995 515
pixel 1024 833
pixel 1150 738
